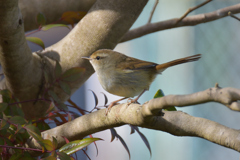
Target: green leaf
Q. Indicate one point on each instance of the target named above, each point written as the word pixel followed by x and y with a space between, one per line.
pixel 50 158
pixel 41 20
pixel 77 145
pixel 49 26
pixel 42 126
pixel 62 106
pixel 18 111
pixel 4 124
pixel 65 87
pixel 72 74
pixel 17 120
pixel 54 96
pixel 34 132
pixel 57 70
pixel 55 143
pixel 160 94
pixel 3 106
pixel 15 156
pixel 6 95
pixel 48 144
pixel 36 40
pixel 63 156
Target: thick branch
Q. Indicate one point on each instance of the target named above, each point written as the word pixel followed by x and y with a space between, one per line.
pixel 187 21
pixel 22 70
pixel 147 115
pixel 102 27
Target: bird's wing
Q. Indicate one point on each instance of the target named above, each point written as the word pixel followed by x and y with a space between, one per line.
pixel 130 63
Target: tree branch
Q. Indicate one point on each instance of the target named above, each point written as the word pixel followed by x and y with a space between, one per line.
pixel 187 21
pixel 192 9
pixel 230 14
pixel 153 10
pixel 148 116
pixel 102 27
pixel 21 68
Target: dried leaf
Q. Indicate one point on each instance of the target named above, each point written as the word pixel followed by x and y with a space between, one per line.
pixel 105 99
pixel 113 133
pixel 132 129
pixel 124 145
pixel 94 144
pixel 61 117
pixel 143 138
pixel 66 140
pixel 95 98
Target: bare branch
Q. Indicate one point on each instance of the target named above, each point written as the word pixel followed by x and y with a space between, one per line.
pixel 153 10
pixel 232 15
pixel 188 21
pixel 226 96
pixel 147 115
pixel 192 9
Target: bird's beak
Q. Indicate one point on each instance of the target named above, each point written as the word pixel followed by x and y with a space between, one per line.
pixel 88 58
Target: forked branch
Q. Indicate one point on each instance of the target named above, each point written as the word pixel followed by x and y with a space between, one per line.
pixel 147 115
pixel 187 21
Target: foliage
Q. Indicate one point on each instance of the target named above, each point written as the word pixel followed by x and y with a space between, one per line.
pixel 15 130
pixel 68 17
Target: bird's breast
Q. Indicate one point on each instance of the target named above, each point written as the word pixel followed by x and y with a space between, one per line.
pixel 127 83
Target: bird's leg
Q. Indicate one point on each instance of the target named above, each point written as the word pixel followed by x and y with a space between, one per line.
pixel 136 99
pixel 113 103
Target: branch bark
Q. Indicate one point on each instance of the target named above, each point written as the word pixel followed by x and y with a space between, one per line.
pixel 102 27
pixel 148 116
pixel 187 21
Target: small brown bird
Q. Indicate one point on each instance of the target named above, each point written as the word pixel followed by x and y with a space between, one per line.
pixel 126 76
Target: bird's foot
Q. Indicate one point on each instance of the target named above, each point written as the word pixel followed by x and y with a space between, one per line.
pixel 112 104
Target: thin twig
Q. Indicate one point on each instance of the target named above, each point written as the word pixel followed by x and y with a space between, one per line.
pixel 153 10
pixel 232 15
pixel 192 9
pixel 188 21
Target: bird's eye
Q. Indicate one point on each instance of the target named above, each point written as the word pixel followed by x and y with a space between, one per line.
pixel 97 57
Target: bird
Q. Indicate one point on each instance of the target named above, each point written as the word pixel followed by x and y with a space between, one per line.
pixel 126 76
